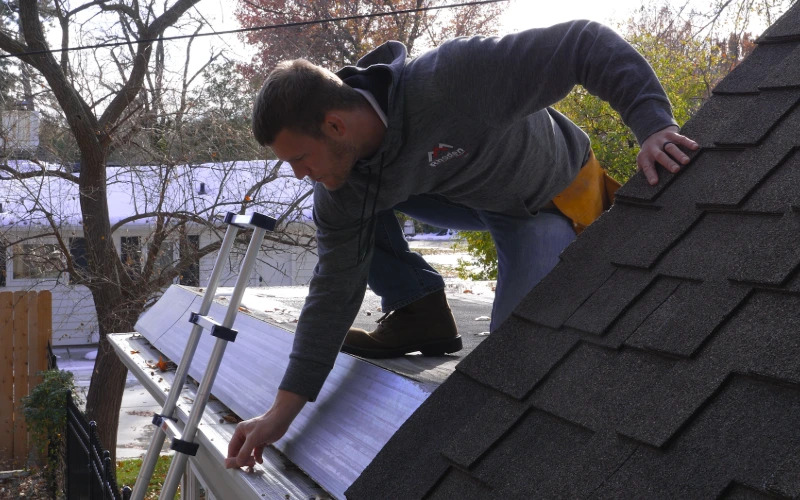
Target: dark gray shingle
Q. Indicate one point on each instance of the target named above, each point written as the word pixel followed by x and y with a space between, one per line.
pixel 746 432
pixel 511 351
pixel 785 73
pixel 686 319
pixel 746 77
pixel 758 115
pixel 563 291
pixel 777 192
pixel 609 301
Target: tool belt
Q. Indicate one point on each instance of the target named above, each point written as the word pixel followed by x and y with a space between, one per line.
pixel 590 194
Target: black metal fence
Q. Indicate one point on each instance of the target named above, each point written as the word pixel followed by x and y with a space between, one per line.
pixel 90 472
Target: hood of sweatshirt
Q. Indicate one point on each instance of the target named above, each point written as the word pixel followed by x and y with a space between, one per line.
pixel 380 72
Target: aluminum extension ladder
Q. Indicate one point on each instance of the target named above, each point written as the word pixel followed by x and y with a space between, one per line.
pixel 184 445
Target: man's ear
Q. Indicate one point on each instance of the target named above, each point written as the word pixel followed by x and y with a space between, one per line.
pixel 334 126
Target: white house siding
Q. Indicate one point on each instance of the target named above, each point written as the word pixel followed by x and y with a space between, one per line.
pixel 21 128
pixel 282 265
pixel 74 318
pixel 304 268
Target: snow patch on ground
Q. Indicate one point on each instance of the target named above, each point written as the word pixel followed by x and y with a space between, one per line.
pixel 266 301
pixel 466 289
pixel 433 237
pixel 447 259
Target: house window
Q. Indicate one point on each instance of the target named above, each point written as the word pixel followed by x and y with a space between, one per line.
pixel 37 261
pixel 165 258
pixel 131 254
pixel 77 250
pixel 189 249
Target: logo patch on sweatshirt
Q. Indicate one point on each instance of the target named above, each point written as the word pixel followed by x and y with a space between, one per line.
pixel 443 153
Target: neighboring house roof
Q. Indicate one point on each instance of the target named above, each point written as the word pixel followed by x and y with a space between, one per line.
pixel 661 357
pixel 135 190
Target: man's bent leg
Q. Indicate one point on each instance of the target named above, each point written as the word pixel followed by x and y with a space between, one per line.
pixel 398 275
pixel 527 250
pixel 410 289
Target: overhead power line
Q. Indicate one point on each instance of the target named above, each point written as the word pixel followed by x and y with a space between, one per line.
pixel 255 28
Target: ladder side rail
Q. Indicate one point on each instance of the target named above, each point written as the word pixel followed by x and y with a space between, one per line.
pixel 178 465
pixel 157 441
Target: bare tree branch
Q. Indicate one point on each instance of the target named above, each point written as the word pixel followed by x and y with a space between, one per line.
pixel 15 174
pixel 134 83
pixel 182 216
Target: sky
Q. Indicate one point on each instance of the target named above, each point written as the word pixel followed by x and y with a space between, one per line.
pixel 524 14
pixel 519 15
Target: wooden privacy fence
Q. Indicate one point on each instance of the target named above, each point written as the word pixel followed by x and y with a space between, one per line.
pixel 26 326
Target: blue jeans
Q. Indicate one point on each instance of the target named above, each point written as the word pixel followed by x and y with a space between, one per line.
pixel 527 249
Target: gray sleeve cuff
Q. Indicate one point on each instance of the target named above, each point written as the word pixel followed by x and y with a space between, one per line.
pixel 649 117
pixel 305 378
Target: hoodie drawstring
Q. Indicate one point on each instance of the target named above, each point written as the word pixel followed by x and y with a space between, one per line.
pixel 360 256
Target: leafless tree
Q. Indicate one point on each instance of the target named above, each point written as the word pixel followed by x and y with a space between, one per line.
pixel 125 104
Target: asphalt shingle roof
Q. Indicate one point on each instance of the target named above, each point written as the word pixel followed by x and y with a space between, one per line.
pixel 661 358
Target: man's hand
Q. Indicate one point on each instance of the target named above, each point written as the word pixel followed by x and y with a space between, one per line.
pixel 662 147
pixel 251 436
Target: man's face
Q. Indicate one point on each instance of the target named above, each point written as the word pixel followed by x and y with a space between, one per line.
pixel 327 160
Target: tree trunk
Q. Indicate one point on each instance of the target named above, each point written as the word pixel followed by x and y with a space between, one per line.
pixel 113 292
pixel 105 395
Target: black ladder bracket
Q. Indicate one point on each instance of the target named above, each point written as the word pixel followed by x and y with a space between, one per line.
pixel 251 220
pixel 224 333
pixel 185 447
pixel 229 218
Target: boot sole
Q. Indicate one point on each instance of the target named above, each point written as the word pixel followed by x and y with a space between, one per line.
pixel 432 348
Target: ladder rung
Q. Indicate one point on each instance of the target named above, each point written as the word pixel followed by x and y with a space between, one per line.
pixel 216 329
pixel 251 220
pixel 205 321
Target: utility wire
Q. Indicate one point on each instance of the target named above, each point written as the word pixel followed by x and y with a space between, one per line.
pixel 255 28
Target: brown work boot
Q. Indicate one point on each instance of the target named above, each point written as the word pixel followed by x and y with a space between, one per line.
pixel 426 325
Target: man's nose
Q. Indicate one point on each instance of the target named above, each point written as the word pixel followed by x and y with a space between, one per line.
pixel 300 171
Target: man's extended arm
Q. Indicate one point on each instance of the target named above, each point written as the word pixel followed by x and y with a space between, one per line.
pixel 335 295
pixel 500 80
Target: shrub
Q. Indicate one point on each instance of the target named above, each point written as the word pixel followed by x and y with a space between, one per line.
pixel 45 410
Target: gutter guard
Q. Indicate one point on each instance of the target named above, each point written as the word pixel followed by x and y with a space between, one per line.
pixel 332 440
pixel 275 478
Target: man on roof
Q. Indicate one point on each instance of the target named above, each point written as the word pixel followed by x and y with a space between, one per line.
pixel 461 137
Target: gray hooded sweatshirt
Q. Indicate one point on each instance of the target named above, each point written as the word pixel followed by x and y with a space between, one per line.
pixel 470 121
